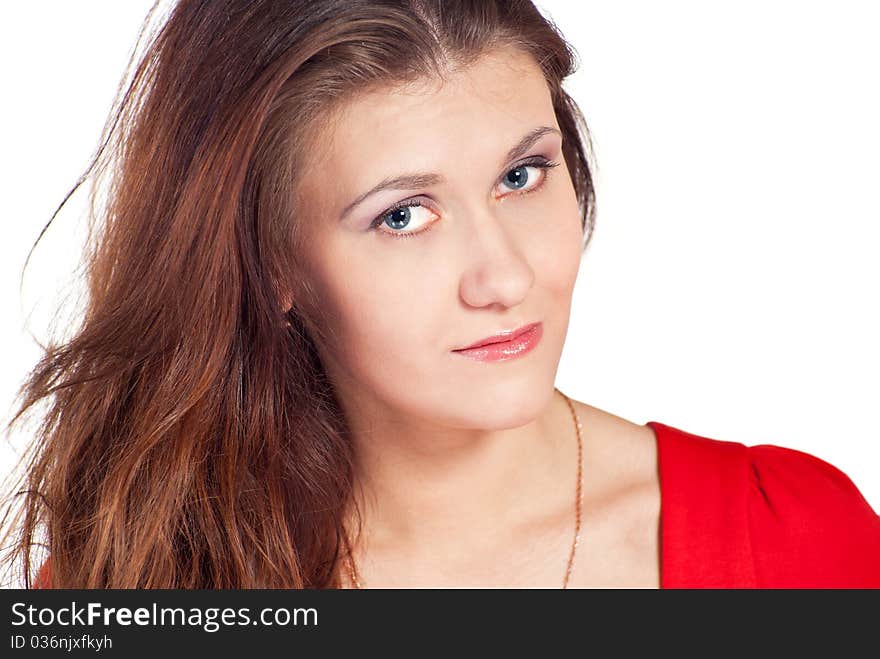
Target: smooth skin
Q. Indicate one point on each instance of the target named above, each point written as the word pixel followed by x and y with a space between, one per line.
pixel 466 471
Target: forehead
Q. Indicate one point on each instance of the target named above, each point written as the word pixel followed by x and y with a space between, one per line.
pixel 490 84
pixel 485 107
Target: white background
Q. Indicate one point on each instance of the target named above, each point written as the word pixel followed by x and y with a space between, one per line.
pixel 731 286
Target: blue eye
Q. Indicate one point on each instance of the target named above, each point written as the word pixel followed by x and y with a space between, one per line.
pixel 400 215
pixel 520 177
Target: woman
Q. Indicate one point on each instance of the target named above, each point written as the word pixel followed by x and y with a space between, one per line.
pixel 326 311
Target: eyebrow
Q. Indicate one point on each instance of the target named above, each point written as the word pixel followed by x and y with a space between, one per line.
pixel 424 179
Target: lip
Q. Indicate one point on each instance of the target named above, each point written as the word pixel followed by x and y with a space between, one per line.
pixel 506 335
pixel 505 345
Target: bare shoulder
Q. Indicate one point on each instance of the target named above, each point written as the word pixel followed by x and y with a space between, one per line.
pixel 622 501
pixel 626 451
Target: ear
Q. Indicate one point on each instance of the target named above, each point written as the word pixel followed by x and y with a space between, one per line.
pixel 294 297
pixel 290 291
pixel 287 299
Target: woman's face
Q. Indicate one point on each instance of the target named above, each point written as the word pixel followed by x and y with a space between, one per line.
pixel 495 244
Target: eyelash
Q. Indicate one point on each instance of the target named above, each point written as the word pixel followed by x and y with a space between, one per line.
pixel 539 163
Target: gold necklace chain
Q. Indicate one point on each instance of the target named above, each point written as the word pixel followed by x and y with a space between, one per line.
pixel 352 571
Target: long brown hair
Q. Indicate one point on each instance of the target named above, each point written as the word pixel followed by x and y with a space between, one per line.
pixel 192 438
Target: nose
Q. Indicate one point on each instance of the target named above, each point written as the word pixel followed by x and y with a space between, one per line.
pixel 497 270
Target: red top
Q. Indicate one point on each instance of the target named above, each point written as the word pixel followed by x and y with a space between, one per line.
pixel 737 516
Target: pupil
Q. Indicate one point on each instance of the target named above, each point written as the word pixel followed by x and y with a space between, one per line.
pixel 517 177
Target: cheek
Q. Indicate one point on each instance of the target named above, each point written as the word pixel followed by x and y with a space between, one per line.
pixel 386 348
pixel 376 313
pixel 556 257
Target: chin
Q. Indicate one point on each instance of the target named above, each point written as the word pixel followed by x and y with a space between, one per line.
pixel 510 404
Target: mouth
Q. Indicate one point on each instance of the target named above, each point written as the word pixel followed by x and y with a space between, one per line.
pixel 504 345
pixel 500 337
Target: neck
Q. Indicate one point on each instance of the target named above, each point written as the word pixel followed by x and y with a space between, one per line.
pixel 435 490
